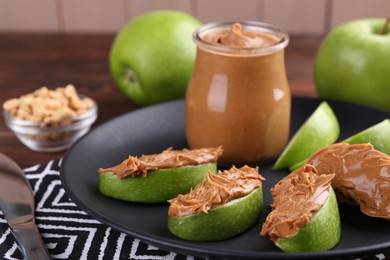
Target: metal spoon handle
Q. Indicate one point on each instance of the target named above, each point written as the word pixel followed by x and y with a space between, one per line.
pixel 31 243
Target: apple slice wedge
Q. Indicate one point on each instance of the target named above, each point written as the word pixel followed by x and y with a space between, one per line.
pixel 319 130
pixel 378 135
pixel 305 215
pixel 223 205
pixel 158 186
pixel 220 223
pixel 320 234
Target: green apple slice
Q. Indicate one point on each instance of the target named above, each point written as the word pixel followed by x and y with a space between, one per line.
pixel 319 130
pixel 297 165
pixel 378 135
pixel 220 223
pixel 320 234
pixel 158 186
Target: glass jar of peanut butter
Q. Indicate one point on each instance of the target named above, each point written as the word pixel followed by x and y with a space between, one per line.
pixel 238 96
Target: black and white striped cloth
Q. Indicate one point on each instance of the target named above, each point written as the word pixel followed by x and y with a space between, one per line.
pixel 69 233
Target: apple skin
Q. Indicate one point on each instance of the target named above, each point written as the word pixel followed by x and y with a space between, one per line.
pixel 353 64
pixel 152 57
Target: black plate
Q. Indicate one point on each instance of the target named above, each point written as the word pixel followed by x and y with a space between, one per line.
pixel 152 129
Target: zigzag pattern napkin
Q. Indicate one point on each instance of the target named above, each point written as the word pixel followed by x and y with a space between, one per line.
pixel 68 232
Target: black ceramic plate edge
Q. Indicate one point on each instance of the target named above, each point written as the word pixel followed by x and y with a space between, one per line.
pixel 301 106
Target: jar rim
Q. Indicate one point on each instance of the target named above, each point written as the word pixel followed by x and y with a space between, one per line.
pixel 281 34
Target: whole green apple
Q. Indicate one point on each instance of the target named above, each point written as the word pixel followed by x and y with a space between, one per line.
pixel 152 57
pixel 353 63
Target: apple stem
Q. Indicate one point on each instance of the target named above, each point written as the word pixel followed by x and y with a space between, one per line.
pixel 131 76
pixel 385 26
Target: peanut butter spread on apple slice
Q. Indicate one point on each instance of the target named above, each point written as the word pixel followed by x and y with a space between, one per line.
pixel 362 176
pixel 295 200
pixel 169 158
pixel 216 190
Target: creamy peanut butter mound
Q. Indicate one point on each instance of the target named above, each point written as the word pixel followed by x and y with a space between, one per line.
pixel 216 190
pixel 237 37
pixel 169 158
pixel 296 199
pixel 362 176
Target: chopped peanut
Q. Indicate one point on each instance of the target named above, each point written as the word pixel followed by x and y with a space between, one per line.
pixel 48 106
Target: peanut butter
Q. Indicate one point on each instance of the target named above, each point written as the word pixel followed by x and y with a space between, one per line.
pixel 169 158
pixel 362 176
pixel 296 199
pixel 216 190
pixel 236 37
pixel 238 96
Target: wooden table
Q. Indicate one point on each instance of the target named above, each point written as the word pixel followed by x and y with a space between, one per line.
pixel 29 61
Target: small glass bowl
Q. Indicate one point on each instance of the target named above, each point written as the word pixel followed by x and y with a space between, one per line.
pixel 51 137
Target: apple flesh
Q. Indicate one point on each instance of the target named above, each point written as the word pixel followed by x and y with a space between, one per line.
pixel 320 234
pixel 158 186
pixel 319 130
pixel 220 223
pixel 378 135
pixel 353 64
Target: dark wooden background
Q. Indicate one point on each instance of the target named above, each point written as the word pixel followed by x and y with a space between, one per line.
pixel 28 62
